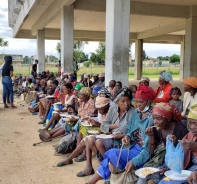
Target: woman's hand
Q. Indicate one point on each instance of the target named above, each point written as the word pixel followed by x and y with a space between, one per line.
pixel 126 140
pixel 117 136
pixel 162 171
pixel 149 131
pixel 192 179
pixel 129 167
pixel 114 126
pixel 188 144
pixel 59 110
pixel 93 122
pixel 173 138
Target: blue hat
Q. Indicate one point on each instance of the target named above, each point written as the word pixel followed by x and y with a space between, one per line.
pixel 71 77
pixel 96 89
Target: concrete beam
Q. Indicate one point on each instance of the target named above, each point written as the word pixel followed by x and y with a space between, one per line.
pixel 139 8
pixel 161 10
pixel 162 30
pixel 50 14
pixel 81 35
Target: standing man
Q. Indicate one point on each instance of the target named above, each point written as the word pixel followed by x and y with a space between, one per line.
pixel 75 68
pixel 34 69
pixel 7 73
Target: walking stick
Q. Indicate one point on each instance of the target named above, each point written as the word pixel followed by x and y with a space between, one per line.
pixel 34 144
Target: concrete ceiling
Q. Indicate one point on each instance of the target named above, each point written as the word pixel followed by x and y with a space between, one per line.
pixel 95 21
pixel 86 19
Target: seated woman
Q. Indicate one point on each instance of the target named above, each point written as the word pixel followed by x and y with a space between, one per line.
pixel 189 143
pixel 69 100
pixel 167 121
pixel 46 103
pixel 190 95
pixel 64 129
pixel 114 123
pixel 102 105
pixel 136 138
pixel 163 91
pixel 85 109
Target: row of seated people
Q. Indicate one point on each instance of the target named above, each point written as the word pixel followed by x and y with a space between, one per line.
pixel 137 118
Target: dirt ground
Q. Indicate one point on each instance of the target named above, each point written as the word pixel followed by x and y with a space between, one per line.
pixel 21 162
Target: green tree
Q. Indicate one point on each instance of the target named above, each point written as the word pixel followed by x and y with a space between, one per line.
pixel 174 58
pixel 78 47
pixel 101 50
pixel 144 55
pixel 26 60
pixel 3 44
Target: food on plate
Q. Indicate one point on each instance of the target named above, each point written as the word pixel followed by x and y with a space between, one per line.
pixel 146 172
pixel 86 123
pixel 93 132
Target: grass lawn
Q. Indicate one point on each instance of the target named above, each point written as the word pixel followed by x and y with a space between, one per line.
pixel 151 72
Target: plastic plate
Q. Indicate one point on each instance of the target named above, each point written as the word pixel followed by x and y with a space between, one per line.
pixel 177 176
pixel 139 172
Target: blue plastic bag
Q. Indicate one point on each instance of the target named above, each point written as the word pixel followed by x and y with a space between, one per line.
pixel 174 157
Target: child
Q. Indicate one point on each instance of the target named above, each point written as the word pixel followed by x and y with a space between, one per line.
pixel 175 93
pixel 133 89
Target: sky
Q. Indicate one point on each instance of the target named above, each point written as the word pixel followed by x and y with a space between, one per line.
pixel 27 47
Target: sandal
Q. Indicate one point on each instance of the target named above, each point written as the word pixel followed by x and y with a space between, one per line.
pixel 6 106
pixel 44 139
pixel 80 158
pixel 13 107
pixel 44 134
pixel 61 164
pixel 81 174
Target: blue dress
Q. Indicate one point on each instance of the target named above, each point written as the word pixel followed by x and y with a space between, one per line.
pixel 112 156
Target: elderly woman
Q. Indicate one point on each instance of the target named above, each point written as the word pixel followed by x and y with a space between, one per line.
pixel 145 81
pixel 136 138
pixel 190 145
pixel 115 123
pixel 190 95
pixel 102 104
pixel 167 121
pixel 163 91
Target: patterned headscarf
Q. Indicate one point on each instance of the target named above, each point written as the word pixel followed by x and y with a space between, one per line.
pixel 122 92
pixel 86 91
pixel 167 111
pixel 145 93
pixel 104 93
pixel 166 76
pixel 101 102
pixel 191 81
pixel 193 112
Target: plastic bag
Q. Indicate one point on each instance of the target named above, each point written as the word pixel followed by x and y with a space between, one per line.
pixel 174 157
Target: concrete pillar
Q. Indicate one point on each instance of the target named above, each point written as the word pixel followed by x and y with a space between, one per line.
pixel 190 64
pixel 138 59
pixel 41 50
pixel 67 39
pixel 117 41
pixel 181 75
